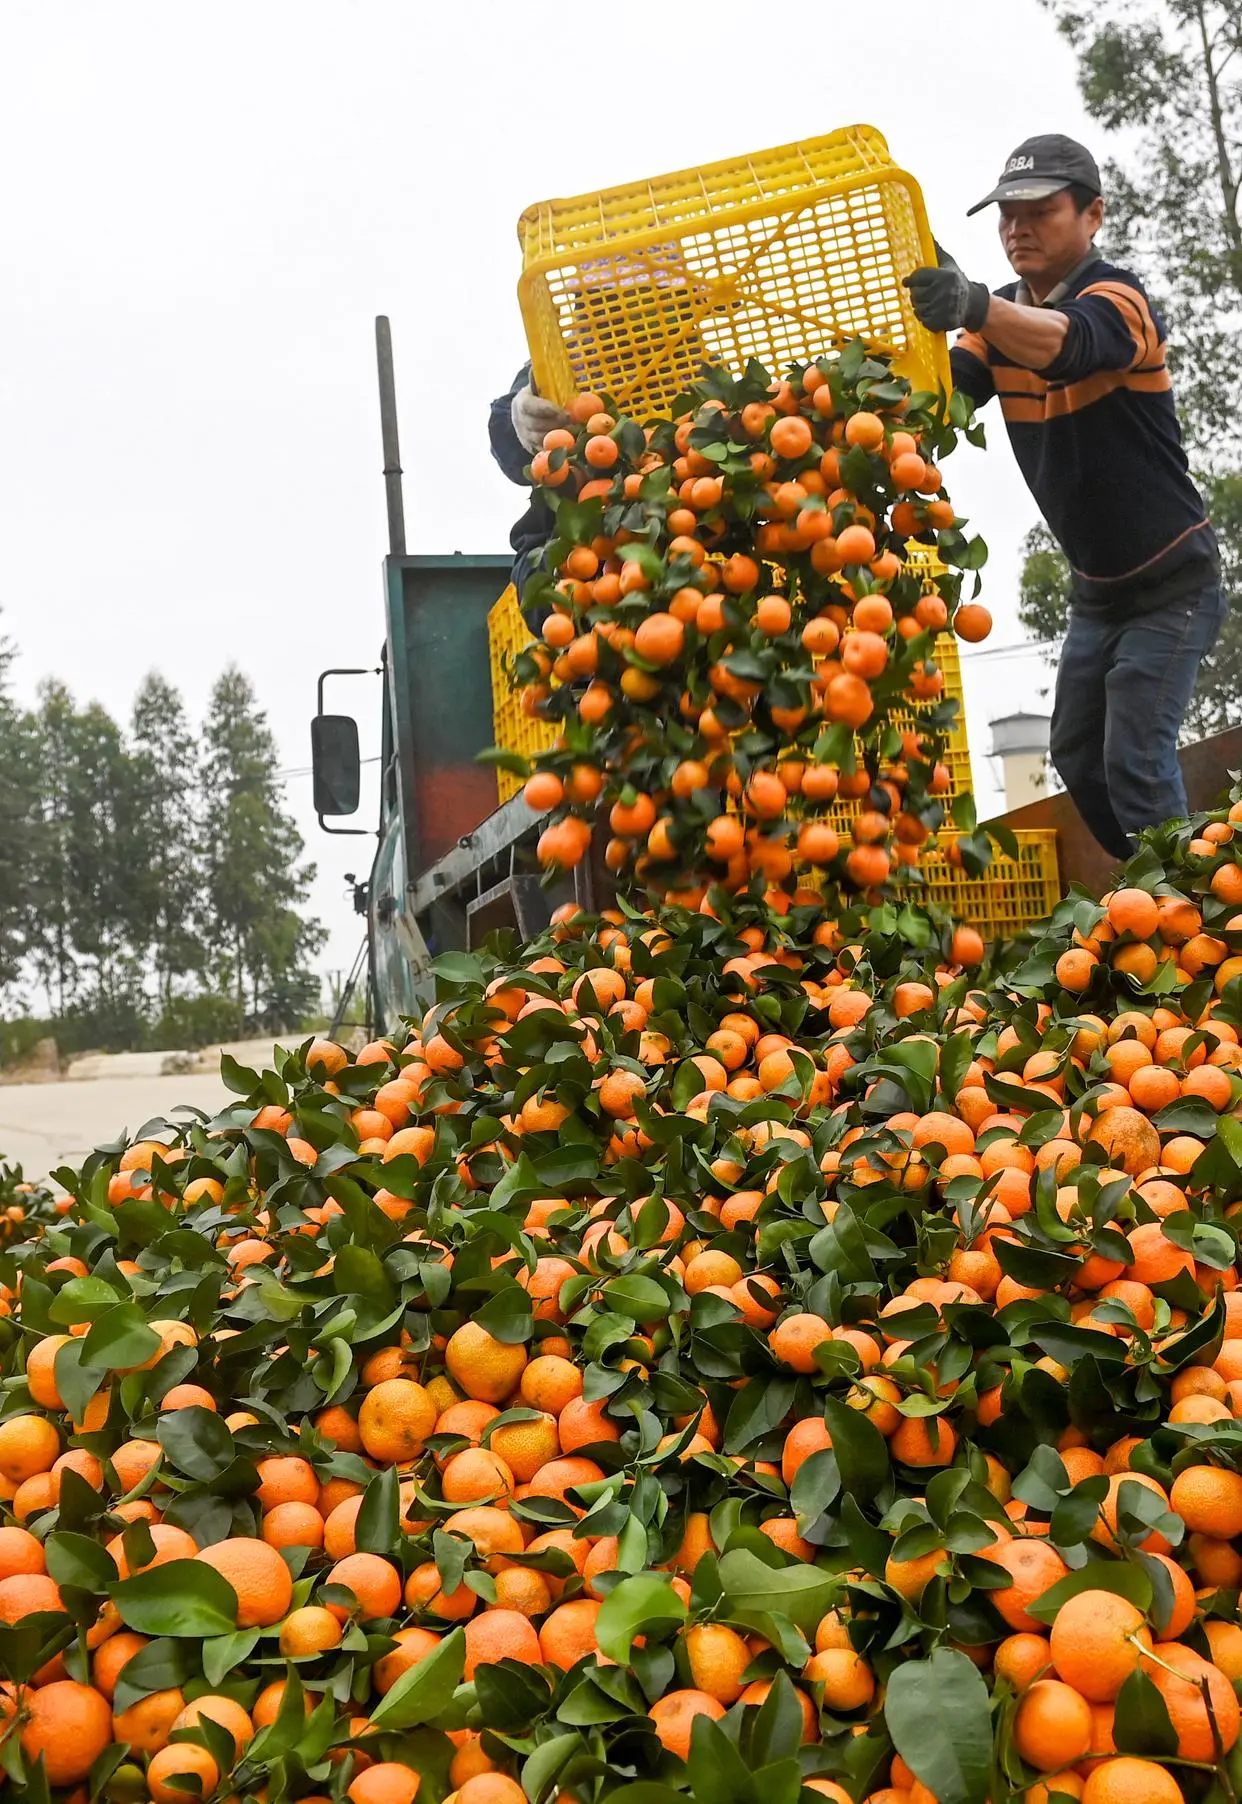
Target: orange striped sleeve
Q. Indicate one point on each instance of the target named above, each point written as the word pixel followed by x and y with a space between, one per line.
pixel 971 364
pixel 1137 314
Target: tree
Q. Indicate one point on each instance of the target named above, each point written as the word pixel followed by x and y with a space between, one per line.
pixel 18 815
pixel 106 844
pixel 251 876
pixel 49 890
pixel 138 873
pixel 287 988
pixel 1169 74
pixel 1044 586
pixel 164 900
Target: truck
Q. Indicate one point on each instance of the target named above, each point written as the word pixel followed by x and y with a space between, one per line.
pixel 450 864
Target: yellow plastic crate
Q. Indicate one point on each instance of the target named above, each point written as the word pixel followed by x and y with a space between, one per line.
pixel 783 255
pixel 1012 893
pixel 957 754
pixel 507 633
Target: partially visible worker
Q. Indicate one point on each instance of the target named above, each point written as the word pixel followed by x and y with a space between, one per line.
pixel 641 307
pixel 519 419
pixel 1075 353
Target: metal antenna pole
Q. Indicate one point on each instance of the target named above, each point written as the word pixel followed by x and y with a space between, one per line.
pixel 388 429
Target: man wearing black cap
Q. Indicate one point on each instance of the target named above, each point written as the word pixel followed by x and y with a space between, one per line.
pixel 1075 353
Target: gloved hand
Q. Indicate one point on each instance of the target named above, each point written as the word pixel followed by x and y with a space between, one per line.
pixel 533 416
pixel 945 299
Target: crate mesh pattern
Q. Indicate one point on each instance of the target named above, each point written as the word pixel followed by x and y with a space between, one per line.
pixel 507 633
pixel 783 255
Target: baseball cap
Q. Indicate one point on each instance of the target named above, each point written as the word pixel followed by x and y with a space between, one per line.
pixel 1041 166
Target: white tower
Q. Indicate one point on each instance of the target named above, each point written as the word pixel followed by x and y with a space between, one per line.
pixel 1020 741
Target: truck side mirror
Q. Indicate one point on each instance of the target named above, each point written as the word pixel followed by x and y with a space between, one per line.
pixel 335 763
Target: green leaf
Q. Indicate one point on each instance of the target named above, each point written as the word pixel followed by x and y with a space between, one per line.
pixel 137 1545
pixel 1206 1333
pixel 640 1298
pixel 75 1380
pixel 540 1769
pixel 964 814
pixel 1076 1515
pixel 120 1339
pixel 182 1597
pixel 339 1350
pixel 197 1441
pixel 239 1078
pixel 566 1165
pixel 1044 1482
pixel 1005 838
pixel 460 968
pixel 268 1300
pixel 221 1653
pixel 77 1560
pixel 1139 1509
pixel 162 1665
pixel 634 1607
pixel 816 1485
pixel 82 1300
pixel 511 1696
pixel 777 1732
pixel 752 1589
pixel 379 1519
pixel 1189 1115
pixel 425 1691
pixel 1141 1722
pixel 955 1057
pixel 937 1714
pixel 646 1791
pixel 507 1315
pixel 1118 1576
pixel 358 1271
pixel 757 1408
pixel 607 1330
pixel 1041 1269
pixel 860 1448
pixel 716 1767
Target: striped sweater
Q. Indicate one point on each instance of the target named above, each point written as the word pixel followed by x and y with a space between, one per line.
pixel 1096 436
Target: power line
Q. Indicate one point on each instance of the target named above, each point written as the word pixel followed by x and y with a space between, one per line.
pixel 306 770
pixel 1023 647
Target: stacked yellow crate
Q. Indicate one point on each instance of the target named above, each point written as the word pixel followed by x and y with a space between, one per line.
pixel 515 730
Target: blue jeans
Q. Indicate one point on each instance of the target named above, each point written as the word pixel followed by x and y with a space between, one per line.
pixel 1122 688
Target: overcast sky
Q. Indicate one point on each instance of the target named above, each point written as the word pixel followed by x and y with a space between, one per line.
pixel 206 206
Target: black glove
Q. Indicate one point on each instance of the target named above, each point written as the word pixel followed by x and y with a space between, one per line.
pixel 945 299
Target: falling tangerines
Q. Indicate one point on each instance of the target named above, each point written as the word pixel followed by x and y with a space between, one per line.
pixel 738 593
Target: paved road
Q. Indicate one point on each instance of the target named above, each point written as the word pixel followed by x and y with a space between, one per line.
pixel 45 1125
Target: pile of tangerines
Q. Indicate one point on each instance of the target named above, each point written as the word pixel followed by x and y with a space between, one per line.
pixel 24 1207
pixel 736 632
pixel 729 1353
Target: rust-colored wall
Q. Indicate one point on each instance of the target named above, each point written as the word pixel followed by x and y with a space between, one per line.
pixel 1205 768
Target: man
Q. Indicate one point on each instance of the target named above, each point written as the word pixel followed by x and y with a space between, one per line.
pixel 1076 355
pixel 516 427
